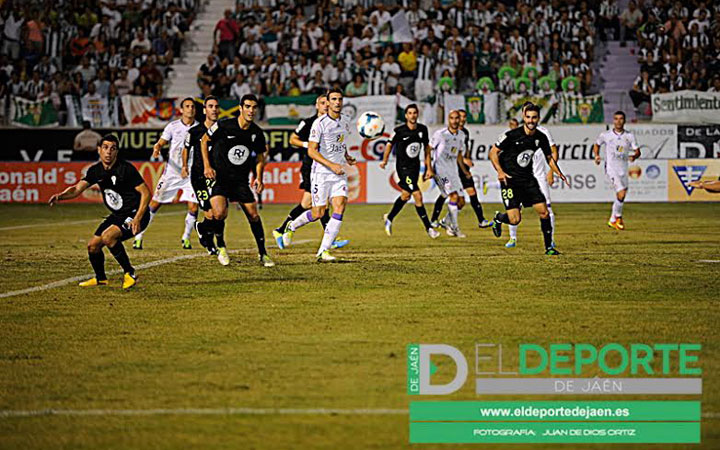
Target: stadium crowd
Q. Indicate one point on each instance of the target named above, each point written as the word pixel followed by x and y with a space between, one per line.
pixel 106 48
pixel 679 46
pixel 460 46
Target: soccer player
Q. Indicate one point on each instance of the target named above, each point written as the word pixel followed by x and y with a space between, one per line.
pixel 512 157
pixel 300 139
pixel 237 145
pixel 409 141
pixel 328 149
pixel 126 196
pixel 171 181
pixel 191 149
pixel 543 177
pixel 618 144
pixel 447 161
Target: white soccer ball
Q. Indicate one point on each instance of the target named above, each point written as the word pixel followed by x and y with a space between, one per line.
pixel 370 125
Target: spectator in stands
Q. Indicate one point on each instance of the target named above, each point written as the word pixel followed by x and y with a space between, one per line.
pixel 86 140
pixel 227 31
pixel 357 88
pixel 630 20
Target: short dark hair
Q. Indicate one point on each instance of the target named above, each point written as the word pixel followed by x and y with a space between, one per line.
pixel 526 104
pixel 248 97
pixel 190 99
pixel 110 138
pixel 208 98
pixel 620 113
pixel 412 106
pixel 532 107
pixel 334 91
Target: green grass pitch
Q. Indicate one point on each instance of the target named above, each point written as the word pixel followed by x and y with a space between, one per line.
pixel 193 334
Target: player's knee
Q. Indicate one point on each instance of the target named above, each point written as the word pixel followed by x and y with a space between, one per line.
pixel 514 220
pixel 417 196
pixel 544 214
pixel 94 246
pixel 108 240
pixel 405 196
pixel 193 208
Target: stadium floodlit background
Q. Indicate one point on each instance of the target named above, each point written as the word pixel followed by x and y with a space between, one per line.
pixel 304 355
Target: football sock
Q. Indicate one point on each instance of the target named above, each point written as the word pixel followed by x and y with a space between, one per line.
pixel 552 218
pixel 301 221
pixel 152 216
pixel 423 216
pixel 453 214
pixel 325 218
pixel 502 218
pixel 331 232
pixel 190 219
pixel 118 251
pixel 477 207
pixel 513 232
pixel 259 235
pixel 219 231
pixel 547 231
pixel 437 209
pixel 97 261
pixel 397 207
pixel 294 213
pixel 617 210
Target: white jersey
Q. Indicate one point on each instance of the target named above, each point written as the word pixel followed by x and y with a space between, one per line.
pixel 445 149
pixel 617 147
pixel 331 135
pixel 175 133
pixel 540 165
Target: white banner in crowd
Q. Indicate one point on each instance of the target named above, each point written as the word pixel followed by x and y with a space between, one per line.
pixel 648 182
pixel 686 107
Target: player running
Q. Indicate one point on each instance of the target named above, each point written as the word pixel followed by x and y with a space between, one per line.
pixel 328 148
pixel 544 178
pixel 618 142
pixel 512 156
pixel 447 161
pixel 171 181
pixel 127 197
pixel 238 144
pixel 300 139
pixel 191 150
pixel 409 141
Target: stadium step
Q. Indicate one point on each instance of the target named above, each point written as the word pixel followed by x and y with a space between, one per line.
pixel 200 42
pixel 619 69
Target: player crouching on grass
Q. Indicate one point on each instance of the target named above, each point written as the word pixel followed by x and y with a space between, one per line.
pixel 127 197
pixel 512 158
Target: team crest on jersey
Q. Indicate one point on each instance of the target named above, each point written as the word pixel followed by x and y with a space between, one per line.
pixel 253 138
pixel 113 199
pixel 341 138
pixel 537 142
pixel 524 158
pixel 238 154
pixel 688 174
pixel 113 179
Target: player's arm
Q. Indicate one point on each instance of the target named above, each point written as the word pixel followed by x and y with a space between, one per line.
pixel 350 160
pixel 144 191
pixel 158 145
pixel 634 146
pixel 69 193
pixel 555 168
pixel 208 171
pixel 386 154
pixel 551 157
pixel 710 186
pixel 296 142
pixel 429 172
pixel 596 153
pixel 259 170
pixel 495 160
pixel 463 166
pixel 185 156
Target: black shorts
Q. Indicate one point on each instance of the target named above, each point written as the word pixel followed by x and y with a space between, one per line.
pixel 234 190
pixel 201 186
pixel 408 178
pixel 467 182
pixel 305 171
pixel 521 192
pixel 124 224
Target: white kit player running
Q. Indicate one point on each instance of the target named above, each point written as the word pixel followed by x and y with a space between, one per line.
pixel 618 143
pixel 328 148
pixel 173 179
pixel 543 176
pixel 447 158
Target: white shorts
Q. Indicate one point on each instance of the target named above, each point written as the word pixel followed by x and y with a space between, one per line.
pixel 169 185
pixel 448 181
pixel 324 186
pixel 544 186
pixel 618 180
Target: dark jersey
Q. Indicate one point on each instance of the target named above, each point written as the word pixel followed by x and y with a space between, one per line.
pixel 409 145
pixel 117 186
pixel 303 132
pixel 517 150
pixel 235 150
pixel 192 144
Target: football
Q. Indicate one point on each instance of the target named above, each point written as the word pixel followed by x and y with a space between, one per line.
pixel 370 125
